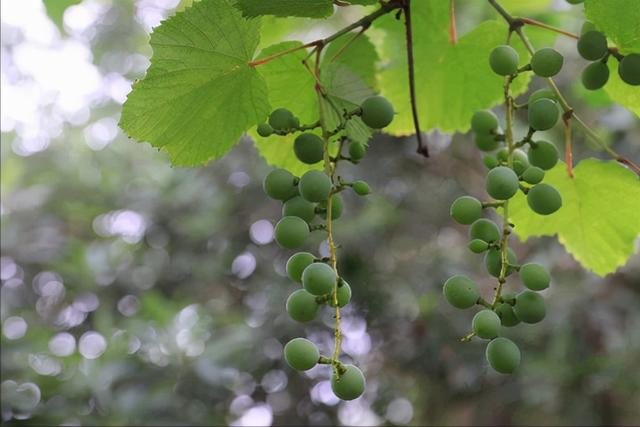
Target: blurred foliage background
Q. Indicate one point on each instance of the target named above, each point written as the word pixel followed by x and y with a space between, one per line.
pixel 134 293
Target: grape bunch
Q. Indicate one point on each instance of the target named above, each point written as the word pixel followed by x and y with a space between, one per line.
pixel 510 170
pixel 592 46
pixel 310 203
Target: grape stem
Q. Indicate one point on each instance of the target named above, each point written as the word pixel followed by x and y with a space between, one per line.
pixel 515 25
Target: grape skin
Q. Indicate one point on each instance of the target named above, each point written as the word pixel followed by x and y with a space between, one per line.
pixel 546 62
pixel 264 130
pixel 377 112
pixel 535 277
pixel 291 232
pixel 336 207
pixel 302 306
pixel 486 324
pixel 533 175
pixel 544 199
pixel 629 69
pixel 595 76
pixel 541 94
pixel 314 186
pixel 592 45
pixel 308 148
pixel 301 354
pixel 466 209
pixel 357 151
pixel 281 119
pixel 280 184
pixel 493 261
pixel 296 265
pixel 484 122
pixel 504 60
pixel 361 188
pixel 507 316
pixel 484 229
pixel 543 114
pixel 478 246
pixel 502 183
pixel 344 295
pixel 543 154
pixel 297 206
pixel 319 279
pixel 529 307
pixel 461 292
pixel 503 355
pixel 349 385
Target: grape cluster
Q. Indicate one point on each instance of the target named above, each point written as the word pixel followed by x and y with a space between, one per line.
pixel 311 202
pixel 592 46
pixel 510 170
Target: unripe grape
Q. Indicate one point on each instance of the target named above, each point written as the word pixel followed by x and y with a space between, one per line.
pixel 484 122
pixel 546 62
pixel 466 209
pixel 265 130
pixel 507 316
pixel 486 324
pixel 281 119
pixel 336 207
pixel 349 385
pixel 319 279
pixel 461 292
pixel 314 186
pixel 297 206
pixel 484 229
pixel 575 1
pixel 543 154
pixel 357 150
pixel 595 75
pixel 493 261
pixel 503 355
pixel 529 307
pixel 490 162
pixel 302 306
pixel 629 69
pixel 294 122
pixel 486 141
pixel 533 175
pixel 309 148
pixel 344 295
pixel 544 199
pixel 361 188
pixel 478 246
pixel 541 94
pixel 534 276
pixel 543 114
pixel 520 161
pixel 592 45
pixel 502 155
pixel 296 265
pixel 291 232
pixel 377 112
pixel 301 354
pixel 280 184
pixel 504 60
pixel 502 183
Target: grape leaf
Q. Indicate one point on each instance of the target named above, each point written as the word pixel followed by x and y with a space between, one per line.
pixel 305 8
pixel 55 9
pixel 452 81
pixel 199 94
pixel 618 19
pixel 598 222
pixel 621 92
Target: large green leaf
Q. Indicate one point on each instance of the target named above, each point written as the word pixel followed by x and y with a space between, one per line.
pixel 619 19
pixel 452 81
pixel 305 8
pixel 621 92
pixel 199 94
pixel 55 9
pixel 599 221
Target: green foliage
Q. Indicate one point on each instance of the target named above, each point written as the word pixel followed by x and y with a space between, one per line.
pixel 56 8
pixel 304 8
pixel 599 237
pixel 618 19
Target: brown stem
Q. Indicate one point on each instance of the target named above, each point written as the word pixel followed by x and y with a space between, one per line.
pixel 535 23
pixel 568 144
pixel 453 34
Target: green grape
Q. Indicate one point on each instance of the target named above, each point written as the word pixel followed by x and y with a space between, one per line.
pixel 504 60
pixel 344 295
pixel 544 199
pixel 533 175
pixel 503 355
pixel 575 1
pixel 297 263
pixel 350 384
pixel 595 75
pixel 484 122
pixel 484 229
pixel 502 155
pixel 314 186
pixel 336 207
pixel 587 26
pixel 493 262
pixel 478 246
pixel 265 130
pixel 319 279
pixel 291 232
pixel 466 209
pixel 486 142
pixel 486 324
pixel 357 150
pixel 535 276
pixel 502 183
pixel 629 69
pixel 361 188
pixel 280 184
pixel 520 161
pixel 546 62
pixel 543 154
pixel 542 94
pixel 308 148
pixel 490 162
pixel 543 114
pixel 294 122
pixel 592 45
pixel 377 112
pixel 302 306
pixel 461 292
pixel 529 307
pixel 281 119
pixel 301 354
pixel 507 316
pixel 297 206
